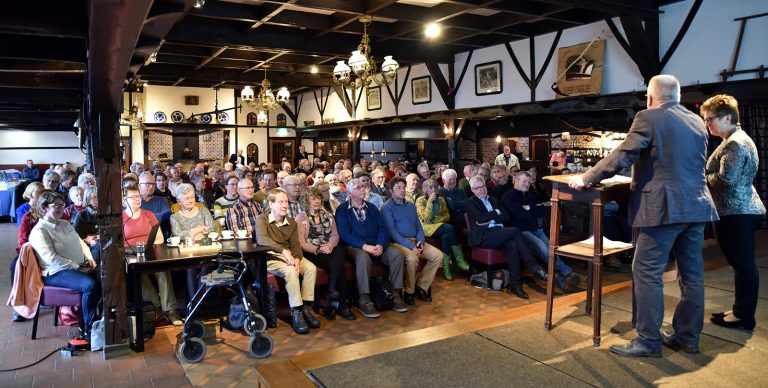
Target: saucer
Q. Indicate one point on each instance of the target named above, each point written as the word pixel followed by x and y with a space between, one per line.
pixel 243 238
pixel 226 238
pixel 173 245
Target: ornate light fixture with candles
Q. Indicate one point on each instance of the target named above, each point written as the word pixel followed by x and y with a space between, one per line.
pixel 266 100
pixel 361 69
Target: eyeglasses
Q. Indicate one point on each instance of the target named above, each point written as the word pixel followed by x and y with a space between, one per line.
pixel 479 187
pixel 58 205
pixel 245 188
pixel 708 120
pixel 147 184
pixel 231 184
pixel 132 197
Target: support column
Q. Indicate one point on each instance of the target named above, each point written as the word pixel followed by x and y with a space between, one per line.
pixel 103 139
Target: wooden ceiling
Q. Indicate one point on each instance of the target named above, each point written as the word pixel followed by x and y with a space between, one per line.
pixel 47 77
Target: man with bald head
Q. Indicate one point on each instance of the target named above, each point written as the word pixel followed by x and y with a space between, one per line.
pixel 238 158
pixel 670 204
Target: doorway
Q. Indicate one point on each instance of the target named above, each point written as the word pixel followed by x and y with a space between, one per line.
pixel 252 151
pixel 279 149
pixel 540 148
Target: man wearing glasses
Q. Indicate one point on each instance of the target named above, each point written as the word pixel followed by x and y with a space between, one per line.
pixel 268 181
pixel 242 215
pixel 489 228
pixel 159 206
pixel 292 187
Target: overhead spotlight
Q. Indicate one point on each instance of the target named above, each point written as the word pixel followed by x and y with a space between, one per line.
pixel 432 30
pixel 498 138
pixel 153 57
pixel 199 3
pixel 313 69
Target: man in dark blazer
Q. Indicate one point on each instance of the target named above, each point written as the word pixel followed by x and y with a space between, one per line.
pixel 300 154
pixel 670 204
pixel 237 158
pixel 489 228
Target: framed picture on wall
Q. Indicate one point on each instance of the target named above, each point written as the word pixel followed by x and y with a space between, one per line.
pixel 421 90
pixel 373 97
pixel 488 78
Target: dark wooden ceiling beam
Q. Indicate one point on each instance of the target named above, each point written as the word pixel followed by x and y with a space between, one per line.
pixel 235 76
pixel 31 66
pixel 43 81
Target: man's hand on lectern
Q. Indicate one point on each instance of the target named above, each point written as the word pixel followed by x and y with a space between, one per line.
pixel 577 182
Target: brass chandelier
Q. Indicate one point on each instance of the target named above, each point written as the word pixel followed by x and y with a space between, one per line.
pixel 361 69
pixel 266 100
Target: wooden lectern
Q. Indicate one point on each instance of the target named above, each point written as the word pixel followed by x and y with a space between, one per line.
pixel 597 195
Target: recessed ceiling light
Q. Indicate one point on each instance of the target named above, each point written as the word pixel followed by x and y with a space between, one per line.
pixel 432 30
pixel 313 69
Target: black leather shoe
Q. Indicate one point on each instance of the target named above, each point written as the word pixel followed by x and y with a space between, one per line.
pixel 517 291
pixel 635 349
pixel 309 317
pixel 422 295
pixel 409 299
pixel 671 341
pixel 333 294
pixel 343 310
pixel 539 273
pixel 740 324
pixel 298 324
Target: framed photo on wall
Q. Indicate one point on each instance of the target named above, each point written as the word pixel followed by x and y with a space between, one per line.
pixel 421 90
pixel 373 97
pixel 488 78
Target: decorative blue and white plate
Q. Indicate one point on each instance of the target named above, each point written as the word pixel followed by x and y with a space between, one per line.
pixel 222 118
pixel 177 116
pixel 159 117
pixel 206 118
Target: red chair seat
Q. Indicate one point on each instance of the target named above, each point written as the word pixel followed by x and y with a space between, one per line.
pixel 488 256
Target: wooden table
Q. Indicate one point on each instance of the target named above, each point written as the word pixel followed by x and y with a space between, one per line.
pixel 163 258
pixel 597 195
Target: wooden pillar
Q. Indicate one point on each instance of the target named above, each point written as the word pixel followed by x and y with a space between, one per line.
pixel 103 139
pixel 354 138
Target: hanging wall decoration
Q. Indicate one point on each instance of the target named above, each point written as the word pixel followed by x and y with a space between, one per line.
pixel 580 69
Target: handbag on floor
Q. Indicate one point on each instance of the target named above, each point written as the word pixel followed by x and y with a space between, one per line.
pixel 381 296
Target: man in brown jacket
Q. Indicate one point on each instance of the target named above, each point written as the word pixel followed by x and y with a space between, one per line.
pixel 278 232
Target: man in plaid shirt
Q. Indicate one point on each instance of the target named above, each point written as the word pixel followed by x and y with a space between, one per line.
pixel 242 215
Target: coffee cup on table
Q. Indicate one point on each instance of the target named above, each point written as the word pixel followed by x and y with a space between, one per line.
pixel 226 234
pixel 175 240
pixel 213 235
pixel 242 233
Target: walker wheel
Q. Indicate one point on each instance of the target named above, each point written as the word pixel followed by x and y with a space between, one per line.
pixel 196 329
pixel 261 346
pixel 254 324
pixel 192 351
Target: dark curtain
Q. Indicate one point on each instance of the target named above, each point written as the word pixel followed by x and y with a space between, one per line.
pixel 754 120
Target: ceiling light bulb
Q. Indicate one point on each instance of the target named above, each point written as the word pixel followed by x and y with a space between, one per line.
pixel 498 138
pixel 153 57
pixel 432 30
pixel 199 3
pixel 313 69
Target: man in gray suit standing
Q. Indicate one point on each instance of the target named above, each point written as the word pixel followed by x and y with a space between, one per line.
pixel 670 204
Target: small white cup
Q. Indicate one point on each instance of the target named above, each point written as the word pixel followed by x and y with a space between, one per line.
pixel 175 240
pixel 242 233
pixel 214 235
pixel 222 221
pixel 189 241
pixel 226 234
pixel 217 213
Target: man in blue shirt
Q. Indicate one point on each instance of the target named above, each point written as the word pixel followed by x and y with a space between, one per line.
pixel 526 210
pixel 408 237
pixel 157 205
pixel 361 228
pixel 31 173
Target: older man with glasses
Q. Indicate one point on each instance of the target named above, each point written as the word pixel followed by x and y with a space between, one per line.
pixel 222 205
pixel 362 229
pixel 488 229
pixel 242 215
pixel 159 206
pixel 293 188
